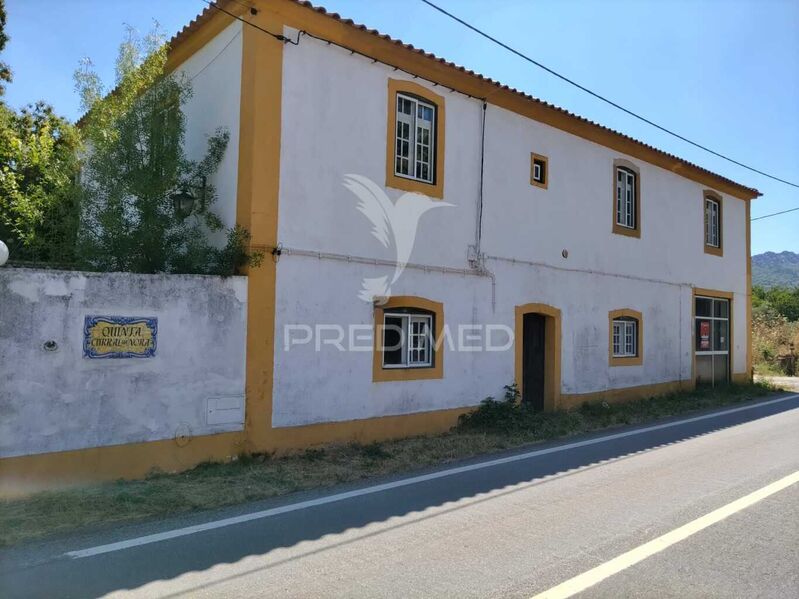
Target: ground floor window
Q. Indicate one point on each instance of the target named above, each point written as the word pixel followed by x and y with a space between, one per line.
pixel 712 340
pixel 407 340
pixel 625 333
pixel 626 337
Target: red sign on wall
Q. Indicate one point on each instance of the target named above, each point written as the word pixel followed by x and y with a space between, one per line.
pixel 704 334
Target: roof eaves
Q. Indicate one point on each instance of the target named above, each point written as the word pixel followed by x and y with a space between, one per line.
pixel 206 14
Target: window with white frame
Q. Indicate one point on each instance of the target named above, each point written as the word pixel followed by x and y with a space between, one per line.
pixel 625 198
pixel 415 139
pixel 625 337
pixel 407 340
pixel 712 222
pixel 538 170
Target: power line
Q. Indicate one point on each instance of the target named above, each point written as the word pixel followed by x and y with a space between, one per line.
pixel 352 51
pixel 277 36
pixel 280 37
pixel 600 97
pixel 218 54
pixel 775 213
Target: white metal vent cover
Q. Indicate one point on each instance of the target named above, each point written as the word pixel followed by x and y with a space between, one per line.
pixel 225 410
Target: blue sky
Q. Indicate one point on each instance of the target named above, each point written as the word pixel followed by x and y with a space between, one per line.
pixel 722 72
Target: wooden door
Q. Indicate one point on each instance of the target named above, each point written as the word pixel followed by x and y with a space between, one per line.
pixel 533 360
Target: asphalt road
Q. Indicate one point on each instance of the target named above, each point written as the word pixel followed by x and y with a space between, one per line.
pixel 513 527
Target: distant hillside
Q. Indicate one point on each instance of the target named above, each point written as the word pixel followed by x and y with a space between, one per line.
pixel 775 270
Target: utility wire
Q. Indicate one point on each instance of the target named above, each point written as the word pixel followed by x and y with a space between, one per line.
pixel 218 54
pixel 277 36
pixel 600 97
pixel 302 32
pixel 775 213
pixel 284 39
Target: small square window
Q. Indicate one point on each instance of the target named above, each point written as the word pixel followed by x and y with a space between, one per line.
pixel 538 170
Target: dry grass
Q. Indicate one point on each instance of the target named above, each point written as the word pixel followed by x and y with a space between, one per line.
pixel 495 426
pixel 773 337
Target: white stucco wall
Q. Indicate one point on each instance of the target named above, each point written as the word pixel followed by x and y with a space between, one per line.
pixel 215 75
pixel 575 212
pixel 334 123
pixel 331 385
pixel 59 400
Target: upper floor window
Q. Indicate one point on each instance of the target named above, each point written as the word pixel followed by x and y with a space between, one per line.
pixel 713 224
pixel 712 215
pixel 415 144
pixel 414 156
pixel 538 170
pixel 626 199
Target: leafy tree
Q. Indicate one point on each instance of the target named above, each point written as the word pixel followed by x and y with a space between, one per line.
pixel 758 296
pixel 785 301
pixel 782 300
pixel 135 164
pixel 5 71
pixel 38 164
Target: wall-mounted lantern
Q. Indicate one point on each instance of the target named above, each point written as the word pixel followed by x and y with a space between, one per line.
pixel 183 201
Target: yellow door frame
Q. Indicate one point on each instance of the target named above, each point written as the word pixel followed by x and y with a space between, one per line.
pixel 552 351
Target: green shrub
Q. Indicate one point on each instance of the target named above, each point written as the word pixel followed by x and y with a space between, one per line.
pixel 145 206
pixel 496 414
pixel 511 417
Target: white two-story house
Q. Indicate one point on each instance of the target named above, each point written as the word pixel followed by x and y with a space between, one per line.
pixel 433 235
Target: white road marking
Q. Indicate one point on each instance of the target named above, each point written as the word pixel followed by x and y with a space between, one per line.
pixel 625 560
pixel 301 505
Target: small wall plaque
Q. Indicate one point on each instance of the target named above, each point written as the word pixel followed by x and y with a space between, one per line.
pixel 119 337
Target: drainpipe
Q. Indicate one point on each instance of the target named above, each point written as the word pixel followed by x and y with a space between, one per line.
pixel 475 254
